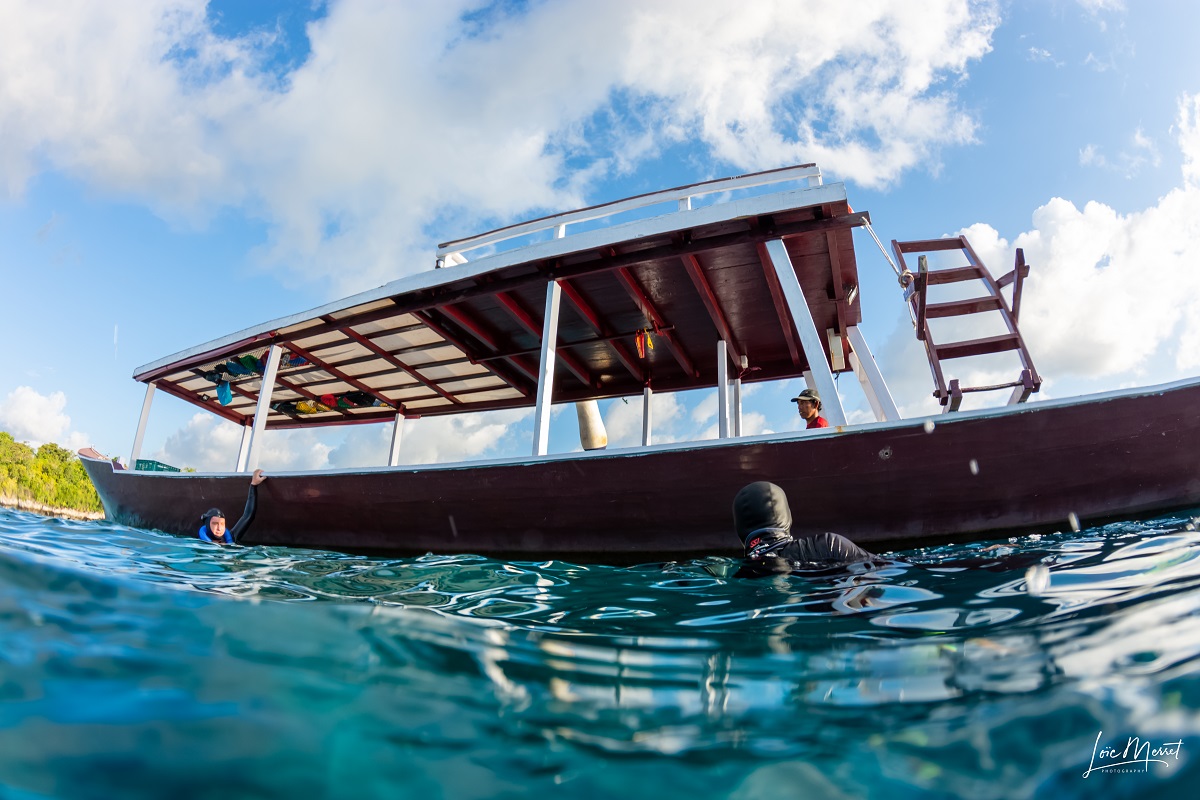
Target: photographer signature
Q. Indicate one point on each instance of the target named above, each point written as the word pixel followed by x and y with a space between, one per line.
pixel 1136 751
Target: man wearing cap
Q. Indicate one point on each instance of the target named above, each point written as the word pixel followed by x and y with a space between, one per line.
pixel 763 521
pixel 808 403
pixel 213 530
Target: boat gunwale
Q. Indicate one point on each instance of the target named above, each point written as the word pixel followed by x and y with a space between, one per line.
pixel 938 419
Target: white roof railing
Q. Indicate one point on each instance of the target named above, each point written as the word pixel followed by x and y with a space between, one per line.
pixel 450 253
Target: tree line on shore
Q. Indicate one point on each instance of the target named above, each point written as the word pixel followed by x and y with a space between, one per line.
pixel 51 475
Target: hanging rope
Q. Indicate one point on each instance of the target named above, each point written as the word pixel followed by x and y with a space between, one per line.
pixel 905 278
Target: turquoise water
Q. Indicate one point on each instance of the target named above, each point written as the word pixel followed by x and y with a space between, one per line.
pixel 135 664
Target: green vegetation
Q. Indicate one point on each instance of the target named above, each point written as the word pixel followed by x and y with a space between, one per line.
pixel 50 475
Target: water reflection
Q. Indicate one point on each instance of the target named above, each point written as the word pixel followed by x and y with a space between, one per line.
pixel 945 666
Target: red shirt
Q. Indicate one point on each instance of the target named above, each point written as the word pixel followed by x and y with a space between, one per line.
pixel 819 422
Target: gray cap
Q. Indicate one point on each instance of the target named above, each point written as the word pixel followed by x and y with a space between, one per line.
pixel 807 394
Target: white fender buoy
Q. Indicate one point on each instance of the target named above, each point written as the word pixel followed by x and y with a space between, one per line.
pixel 591 427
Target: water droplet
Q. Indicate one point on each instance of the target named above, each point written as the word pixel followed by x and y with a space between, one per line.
pixel 974 465
pixel 1073 521
pixel 930 425
pixel 1037 580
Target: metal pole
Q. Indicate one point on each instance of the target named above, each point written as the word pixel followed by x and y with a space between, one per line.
pixel 874 386
pixel 141 428
pixel 814 350
pixel 647 417
pixel 397 434
pixel 541 425
pixel 722 389
pixel 244 449
pixel 264 406
pixel 737 406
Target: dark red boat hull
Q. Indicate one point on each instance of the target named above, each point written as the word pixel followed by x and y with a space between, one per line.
pixel 971 476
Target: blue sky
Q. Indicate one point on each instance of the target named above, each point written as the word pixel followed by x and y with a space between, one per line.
pixel 171 171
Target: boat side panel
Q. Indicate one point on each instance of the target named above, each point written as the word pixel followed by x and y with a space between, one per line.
pixel 1032 469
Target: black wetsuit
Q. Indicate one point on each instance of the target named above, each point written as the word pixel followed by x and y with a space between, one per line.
pixel 789 553
pixel 764 522
pixel 232 534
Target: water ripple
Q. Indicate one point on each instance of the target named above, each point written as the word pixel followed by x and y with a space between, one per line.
pixel 954 670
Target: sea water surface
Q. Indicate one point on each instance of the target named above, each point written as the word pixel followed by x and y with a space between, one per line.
pixel 138 664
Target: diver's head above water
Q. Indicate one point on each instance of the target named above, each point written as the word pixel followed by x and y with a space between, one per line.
pixel 214 520
pixel 761 513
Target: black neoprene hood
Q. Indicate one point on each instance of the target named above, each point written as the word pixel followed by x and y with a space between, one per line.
pixel 761 505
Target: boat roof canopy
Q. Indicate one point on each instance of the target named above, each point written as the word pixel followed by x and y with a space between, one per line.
pixel 644 303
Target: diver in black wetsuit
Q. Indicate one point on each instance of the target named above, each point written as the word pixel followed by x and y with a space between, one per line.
pixel 764 523
pixel 214 530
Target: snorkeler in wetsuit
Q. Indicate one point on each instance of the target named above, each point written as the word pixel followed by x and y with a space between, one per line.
pixel 763 521
pixel 214 530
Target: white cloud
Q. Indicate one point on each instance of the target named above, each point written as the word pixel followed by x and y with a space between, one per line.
pixel 1042 54
pixel 1097 6
pixel 205 443
pixel 1097 65
pixel 35 418
pixel 406 115
pixel 208 443
pixel 1188 127
pixel 433 440
pixel 677 417
pixel 1141 151
pixel 623 420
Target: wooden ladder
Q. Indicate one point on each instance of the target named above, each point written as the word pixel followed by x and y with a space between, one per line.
pixel 916 291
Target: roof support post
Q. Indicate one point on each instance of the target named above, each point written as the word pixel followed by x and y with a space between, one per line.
pixel 397 434
pixel 244 449
pixel 141 428
pixel 647 417
pixel 722 389
pixel 264 405
pixel 874 387
pixel 810 340
pixel 541 422
pixel 737 407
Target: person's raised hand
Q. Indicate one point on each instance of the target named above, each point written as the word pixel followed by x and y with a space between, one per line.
pixel 258 477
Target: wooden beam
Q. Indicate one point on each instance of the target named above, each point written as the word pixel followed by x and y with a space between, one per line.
pixel 457 341
pixel 602 330
pixel 712 305
pixel 839 291
pixel 395 362
pixel 646 306
pixel 781 310
pixel 194 398
pixel 335 372
pixel 476 328
pixel 525 319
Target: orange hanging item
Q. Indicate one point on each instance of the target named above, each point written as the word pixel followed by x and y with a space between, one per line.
pixel 639 339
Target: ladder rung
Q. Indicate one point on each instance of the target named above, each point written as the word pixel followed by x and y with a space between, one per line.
pixel 930 245
pixel 959 307
pixel 936 276
pixel 992 388
pixel 979 347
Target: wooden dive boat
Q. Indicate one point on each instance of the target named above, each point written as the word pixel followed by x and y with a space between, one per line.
pixel 742 280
